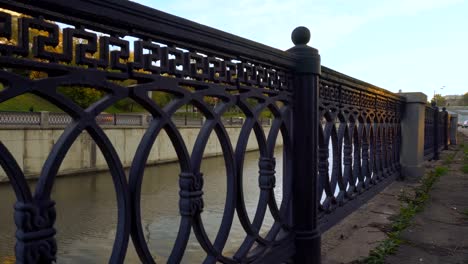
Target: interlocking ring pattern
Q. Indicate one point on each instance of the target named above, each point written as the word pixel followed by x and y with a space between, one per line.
pixel 359 144
pixel 358 139
pixel 234 83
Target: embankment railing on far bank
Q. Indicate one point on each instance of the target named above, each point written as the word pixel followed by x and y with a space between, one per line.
pixel 50 119
pixel 439 131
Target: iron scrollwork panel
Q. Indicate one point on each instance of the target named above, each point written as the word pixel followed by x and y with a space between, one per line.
pixel 76 56
pixel 359 141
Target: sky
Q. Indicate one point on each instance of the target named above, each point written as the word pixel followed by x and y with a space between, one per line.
pixel 408 45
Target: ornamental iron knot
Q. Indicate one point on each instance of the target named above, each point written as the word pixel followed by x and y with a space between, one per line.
pixel 35 233
pixel 191 201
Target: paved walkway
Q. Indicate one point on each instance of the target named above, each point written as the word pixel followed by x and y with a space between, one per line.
pixel 439 234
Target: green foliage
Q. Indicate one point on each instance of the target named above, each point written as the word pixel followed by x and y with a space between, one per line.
pixel 27 102
pixel 449 159
pixel 24 103
pixel 464 168
pixel 162 98
pixel 125 105
pixel 465 212
pixel 465 99
pixel 440 101
pixel 82 96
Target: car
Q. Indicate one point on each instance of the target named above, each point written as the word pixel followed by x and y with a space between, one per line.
pixel 465 124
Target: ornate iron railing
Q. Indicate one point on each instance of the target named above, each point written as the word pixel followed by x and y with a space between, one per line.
pixel 33 119
pixel 15 118
pixel 361 132
pixel 444 125
pixel 436 131
pixel 190 62
pixel 314 109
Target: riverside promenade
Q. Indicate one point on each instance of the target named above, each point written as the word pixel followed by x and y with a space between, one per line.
pixel 439 234
pixel 436 234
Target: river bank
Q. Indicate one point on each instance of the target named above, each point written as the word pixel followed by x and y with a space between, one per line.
pixel 31 146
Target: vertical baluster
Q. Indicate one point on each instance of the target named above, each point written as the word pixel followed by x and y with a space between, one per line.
pixel 357 168
pixel 378 158
pixel 445 127
pixel 436 131
pixel 365 139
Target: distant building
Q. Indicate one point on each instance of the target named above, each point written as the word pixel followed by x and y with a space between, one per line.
pixel 453 100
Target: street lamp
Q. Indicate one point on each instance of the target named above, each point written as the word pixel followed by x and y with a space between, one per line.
pixel 441 88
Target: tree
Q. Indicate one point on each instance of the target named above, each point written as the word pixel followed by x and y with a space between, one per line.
pixel 465 99
pixel 82 96
pixel 440 101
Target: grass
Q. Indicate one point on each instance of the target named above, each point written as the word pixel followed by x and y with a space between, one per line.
pixel 28 102
pixel 23 103
pixel 448 159
pixel 465 212
pixel 412 205
pixel 464 167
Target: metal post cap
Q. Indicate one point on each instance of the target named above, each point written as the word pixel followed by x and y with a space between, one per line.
pixel 300 36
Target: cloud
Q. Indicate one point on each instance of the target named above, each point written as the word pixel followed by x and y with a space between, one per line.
pixel 271 21
pixel 409 7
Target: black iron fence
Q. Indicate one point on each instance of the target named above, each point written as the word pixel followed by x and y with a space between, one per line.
pixel 436 131
pixel 341 136
pixel 362 128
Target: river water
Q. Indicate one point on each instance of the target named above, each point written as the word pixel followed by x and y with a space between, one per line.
pixel 87 212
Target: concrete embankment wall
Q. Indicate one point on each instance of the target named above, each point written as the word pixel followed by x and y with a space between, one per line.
pixel 30 147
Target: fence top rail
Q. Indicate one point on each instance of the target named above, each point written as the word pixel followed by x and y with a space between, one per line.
pixel 338 77
pixel 126 18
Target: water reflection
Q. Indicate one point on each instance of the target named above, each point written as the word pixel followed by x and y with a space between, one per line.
pixel 87 212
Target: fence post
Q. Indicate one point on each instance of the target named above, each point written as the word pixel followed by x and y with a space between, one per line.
pixel 453 128
pixel 436 130
pixel 446 128
pixel 412 135
pixel 45 119
pixel 305 141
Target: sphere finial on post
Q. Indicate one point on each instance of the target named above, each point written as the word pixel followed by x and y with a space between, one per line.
pixel 308 58
pixel 300 36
